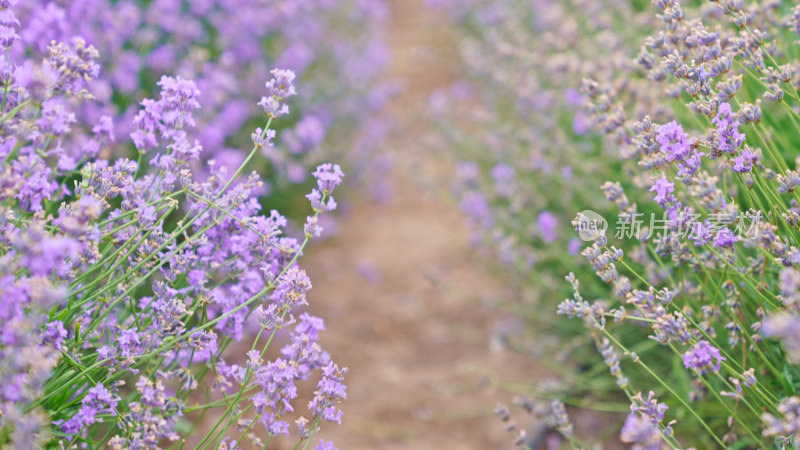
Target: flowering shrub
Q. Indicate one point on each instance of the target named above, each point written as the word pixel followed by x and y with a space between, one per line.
pixel 125 282
pixel 227 47
pixel 684 118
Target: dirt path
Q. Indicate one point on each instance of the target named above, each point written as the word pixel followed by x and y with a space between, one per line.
pixel 417 347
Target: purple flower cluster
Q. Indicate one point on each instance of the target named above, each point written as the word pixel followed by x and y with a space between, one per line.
pixel 663 190
pixel 54 334
pixel 674 141
pixel 331 391
pixel 547 223
pixel 98 400
pixel 328 176
pixel 275 380
pixel 641 433
pixel 728 135
pixel 643 426
pixel 786 427
pixel 151 419
pixel 166 118
pixel 743 162
pixel 676 146
pixel 703 356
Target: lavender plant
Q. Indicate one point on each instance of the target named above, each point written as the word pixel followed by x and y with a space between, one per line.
pixel 690 111
pixel 227 48
pixel 129 286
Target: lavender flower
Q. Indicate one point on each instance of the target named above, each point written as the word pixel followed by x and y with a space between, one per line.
pixel 561 419
pixel 280 88
pixel 503 176
pixel 330 392
pixel 703 356
pixel 328 177
pixel 97 401
pixel 724 238
pixel 74 64
pixel 8 24
pixel 796 18
pixel 54 334
pixel 611 359
pixel 674 142
pixel 547 226
pixel 663 190
pixel 325 445
pixel 743 162
pixel 730 139
pixel 641 433
pixel 782 326
pixel 281 85
pixel 788 425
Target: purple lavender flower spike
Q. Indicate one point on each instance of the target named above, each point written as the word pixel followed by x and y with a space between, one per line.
pixel 674 142
pixel 547 223
pixel 703 356
pixel 328 177
pixel 725 238
pixel 730 139
pixel 663 190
